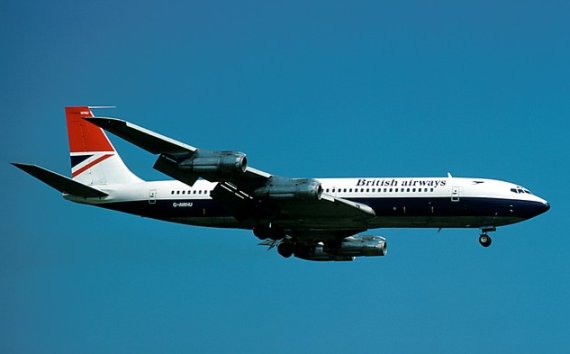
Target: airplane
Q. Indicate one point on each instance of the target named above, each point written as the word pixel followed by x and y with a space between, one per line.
pixel 317 219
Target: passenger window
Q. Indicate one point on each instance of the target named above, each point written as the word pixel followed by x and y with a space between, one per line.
pixel 350 190
pixel 390 190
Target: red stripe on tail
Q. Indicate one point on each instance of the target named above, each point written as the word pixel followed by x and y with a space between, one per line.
pixel 84 136
pixel 91 164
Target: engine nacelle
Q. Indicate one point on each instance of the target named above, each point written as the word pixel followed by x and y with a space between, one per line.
pixel 291 189
pixel 363 245
pixel 211 165
pixel 215 162
pixel 349 249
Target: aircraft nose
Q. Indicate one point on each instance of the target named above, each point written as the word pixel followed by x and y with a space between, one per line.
pixel 534 208
pixel 542 207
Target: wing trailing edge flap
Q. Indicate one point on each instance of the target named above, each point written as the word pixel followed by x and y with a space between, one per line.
pixel 59 182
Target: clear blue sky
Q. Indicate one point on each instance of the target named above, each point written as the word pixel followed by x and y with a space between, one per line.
pixel 314 89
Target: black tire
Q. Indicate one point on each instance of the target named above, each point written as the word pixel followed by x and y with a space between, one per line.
pixel 485 240
pixel 285 249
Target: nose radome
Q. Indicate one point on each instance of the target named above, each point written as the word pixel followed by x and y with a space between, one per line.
pixel 542 207
pixel 546 206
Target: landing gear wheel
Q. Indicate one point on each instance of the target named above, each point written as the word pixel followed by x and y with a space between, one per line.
pixel 485 240
pixel 285 249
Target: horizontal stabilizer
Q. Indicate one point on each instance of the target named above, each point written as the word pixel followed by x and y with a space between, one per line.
pixel 59 182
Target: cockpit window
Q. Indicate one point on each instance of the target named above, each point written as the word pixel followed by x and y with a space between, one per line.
pixel 520 190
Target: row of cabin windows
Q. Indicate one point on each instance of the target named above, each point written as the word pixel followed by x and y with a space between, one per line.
pixel 339 190
pixel 380 190
pixel 190 192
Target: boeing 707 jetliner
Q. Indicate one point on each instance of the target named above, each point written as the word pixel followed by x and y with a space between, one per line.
pixel 315 219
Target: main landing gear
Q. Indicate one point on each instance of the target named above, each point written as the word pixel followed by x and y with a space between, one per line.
pixel 485 240
pixel 286 249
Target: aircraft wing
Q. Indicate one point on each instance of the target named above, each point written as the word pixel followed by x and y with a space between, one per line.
pixel 159 144
pixel 314 213
pixel 238 191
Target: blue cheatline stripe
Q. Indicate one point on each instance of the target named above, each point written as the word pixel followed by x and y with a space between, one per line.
pixel 384 207
pixel 77 159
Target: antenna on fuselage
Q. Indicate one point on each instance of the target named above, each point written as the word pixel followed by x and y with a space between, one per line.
pixel 449 175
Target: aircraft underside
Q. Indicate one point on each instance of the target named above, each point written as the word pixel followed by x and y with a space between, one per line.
pixel 432 213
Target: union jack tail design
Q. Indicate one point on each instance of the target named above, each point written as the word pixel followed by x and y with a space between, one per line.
pixel 94 160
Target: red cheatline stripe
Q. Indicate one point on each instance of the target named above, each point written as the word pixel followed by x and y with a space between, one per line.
pixel 91 164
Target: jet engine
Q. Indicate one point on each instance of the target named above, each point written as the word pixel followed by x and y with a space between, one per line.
pixel 348 250
pixel 291 189
pixel 211 165
pixel 215 162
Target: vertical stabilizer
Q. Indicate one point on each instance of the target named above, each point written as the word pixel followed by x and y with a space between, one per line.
pixel 94 160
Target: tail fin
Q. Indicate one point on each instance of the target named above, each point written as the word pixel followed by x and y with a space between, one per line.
pixel 94 160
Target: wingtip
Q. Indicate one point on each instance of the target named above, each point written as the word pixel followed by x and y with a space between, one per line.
pixel 20 165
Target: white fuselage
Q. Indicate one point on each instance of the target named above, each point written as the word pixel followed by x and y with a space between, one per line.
pixel 397 202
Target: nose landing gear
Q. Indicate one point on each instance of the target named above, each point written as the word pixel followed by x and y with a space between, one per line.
pixel 485 240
